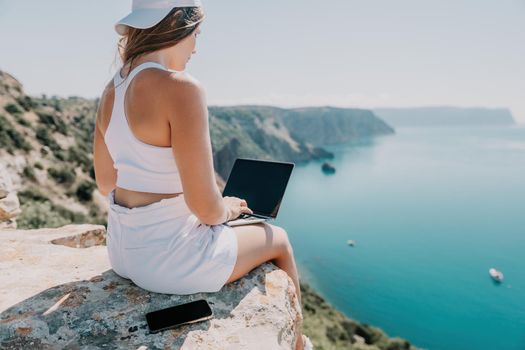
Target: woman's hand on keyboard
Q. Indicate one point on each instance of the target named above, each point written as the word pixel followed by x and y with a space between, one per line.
pixel 236 206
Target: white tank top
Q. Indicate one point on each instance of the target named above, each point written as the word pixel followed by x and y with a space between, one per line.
pixel 140 166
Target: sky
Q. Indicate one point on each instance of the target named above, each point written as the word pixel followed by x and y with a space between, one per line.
pixel 290 53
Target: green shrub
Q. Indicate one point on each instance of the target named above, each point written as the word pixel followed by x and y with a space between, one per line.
pixel 84 125
pixel 53 121
pixel 56 105
pixel 17 113
pixel 397 344
pixel 335 333
pixel 12 109
pixel 10 138
pixel 63 175
pixel 29 173
pixel 96 216
pixel 31 194
pixel 21 120
pixel 39 211
pixel 60 155
pixel 78 156
pixel 26 102
pixel 38 215
pixel 85 191
pixel 19 141
pixel 71 216
pixel 39 165
pixel 45 138
pixel 92 171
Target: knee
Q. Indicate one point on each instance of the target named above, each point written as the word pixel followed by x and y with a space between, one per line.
pixel 282 241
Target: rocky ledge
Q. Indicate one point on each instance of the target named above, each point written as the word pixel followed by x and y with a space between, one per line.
pixel 57 291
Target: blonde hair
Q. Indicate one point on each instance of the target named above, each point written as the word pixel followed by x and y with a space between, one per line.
pixel 179 23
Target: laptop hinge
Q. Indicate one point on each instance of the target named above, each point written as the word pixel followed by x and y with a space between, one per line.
pixel 261 216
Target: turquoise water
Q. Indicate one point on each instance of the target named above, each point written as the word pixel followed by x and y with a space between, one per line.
pixel 431 210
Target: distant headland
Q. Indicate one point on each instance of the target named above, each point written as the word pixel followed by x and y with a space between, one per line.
pixel 446 116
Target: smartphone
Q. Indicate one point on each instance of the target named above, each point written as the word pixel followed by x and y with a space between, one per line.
pixel 195 311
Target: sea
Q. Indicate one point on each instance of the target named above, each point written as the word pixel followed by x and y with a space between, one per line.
pixel 431 210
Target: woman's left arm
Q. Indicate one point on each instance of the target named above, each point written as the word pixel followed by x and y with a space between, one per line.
pixel 105 173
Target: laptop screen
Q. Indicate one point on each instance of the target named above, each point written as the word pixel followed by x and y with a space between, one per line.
pixel 260 182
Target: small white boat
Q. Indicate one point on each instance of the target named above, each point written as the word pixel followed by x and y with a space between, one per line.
pixel 496 275
pixel 350 243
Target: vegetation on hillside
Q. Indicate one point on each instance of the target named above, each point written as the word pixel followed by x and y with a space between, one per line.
pixel 54 137
pixel 329 329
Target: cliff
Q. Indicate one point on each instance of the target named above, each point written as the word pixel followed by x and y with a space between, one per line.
pixel 445 116
pixel 331 125
pixel 255 132
pixel 57 291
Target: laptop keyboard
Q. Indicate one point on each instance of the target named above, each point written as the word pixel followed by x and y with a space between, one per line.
pixel 244 218
pixel 247 217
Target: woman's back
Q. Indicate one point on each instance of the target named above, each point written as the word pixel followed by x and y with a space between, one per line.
pixel 155 125
pixel 144 163
pixel 144 107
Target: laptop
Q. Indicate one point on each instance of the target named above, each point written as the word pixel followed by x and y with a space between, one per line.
pixel 262 184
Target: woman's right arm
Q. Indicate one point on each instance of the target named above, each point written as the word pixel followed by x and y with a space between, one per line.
pixel 187 114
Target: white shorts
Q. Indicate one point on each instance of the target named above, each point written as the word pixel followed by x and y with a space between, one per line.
pixel 164 248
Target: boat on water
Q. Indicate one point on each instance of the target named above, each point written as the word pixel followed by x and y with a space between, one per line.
pixel 496 275
pixel 350 242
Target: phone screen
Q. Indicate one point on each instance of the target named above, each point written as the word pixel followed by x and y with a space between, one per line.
pixel 194 311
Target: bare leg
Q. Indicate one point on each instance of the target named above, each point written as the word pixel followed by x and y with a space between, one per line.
pixel 258 243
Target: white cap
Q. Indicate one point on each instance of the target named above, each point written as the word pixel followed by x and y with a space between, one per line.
pixel 147 13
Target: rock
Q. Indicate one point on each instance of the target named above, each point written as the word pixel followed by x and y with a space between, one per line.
pixel 327 167
pixel 6 185
pixel 9 207
pixel 369 333
pixel 55 296
pixel 9 204
pixel 31 263
pixel 398 344
pixel 11 168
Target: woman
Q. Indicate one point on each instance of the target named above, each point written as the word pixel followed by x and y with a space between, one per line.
pixel 153 161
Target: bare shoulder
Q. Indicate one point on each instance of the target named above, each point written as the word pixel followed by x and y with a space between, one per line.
pixel 182 94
